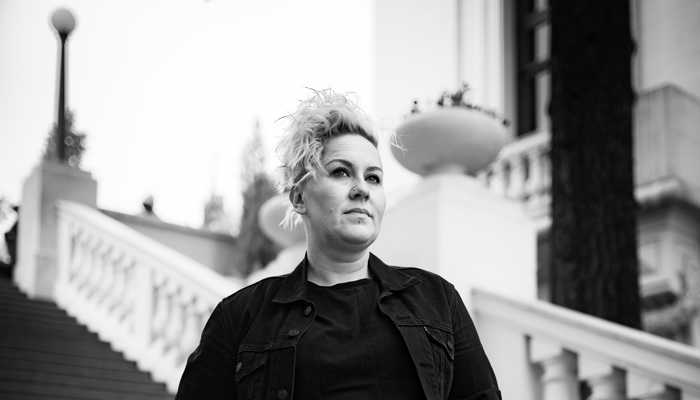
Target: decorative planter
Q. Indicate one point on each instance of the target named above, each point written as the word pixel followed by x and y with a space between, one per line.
pixel 449 140
pixel 271 215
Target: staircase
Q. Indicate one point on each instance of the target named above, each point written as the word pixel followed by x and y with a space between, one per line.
pixel 45 354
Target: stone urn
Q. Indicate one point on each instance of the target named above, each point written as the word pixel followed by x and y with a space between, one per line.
pixel 449 140
pixel 271 215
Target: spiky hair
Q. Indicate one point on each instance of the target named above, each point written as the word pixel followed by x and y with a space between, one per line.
pixel 321 117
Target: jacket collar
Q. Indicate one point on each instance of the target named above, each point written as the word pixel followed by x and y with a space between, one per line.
pixel 295 284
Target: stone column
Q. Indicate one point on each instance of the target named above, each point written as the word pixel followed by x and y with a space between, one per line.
pixel 560 377
pixel 606 381
pixel 36 268
pixel 559 380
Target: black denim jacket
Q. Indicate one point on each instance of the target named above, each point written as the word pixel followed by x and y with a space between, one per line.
pixel 248 346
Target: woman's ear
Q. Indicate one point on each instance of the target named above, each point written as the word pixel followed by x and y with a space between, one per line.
pixel 296 197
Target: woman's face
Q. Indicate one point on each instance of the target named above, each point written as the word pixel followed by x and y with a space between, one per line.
pixel 344 206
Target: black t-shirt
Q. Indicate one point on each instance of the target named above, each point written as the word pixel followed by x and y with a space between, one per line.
pixel 352 350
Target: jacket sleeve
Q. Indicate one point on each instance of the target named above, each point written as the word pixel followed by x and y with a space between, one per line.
pixel 473 377
pixel 210 369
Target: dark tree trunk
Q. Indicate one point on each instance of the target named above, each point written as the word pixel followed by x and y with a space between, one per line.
pixel 594 226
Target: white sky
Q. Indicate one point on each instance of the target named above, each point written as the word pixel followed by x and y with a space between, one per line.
pixel 168 90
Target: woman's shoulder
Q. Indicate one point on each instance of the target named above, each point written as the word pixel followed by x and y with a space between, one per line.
pixel 425 276
pixel 264 289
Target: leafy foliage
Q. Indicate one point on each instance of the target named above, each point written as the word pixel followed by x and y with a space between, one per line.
pixel 216 219
pixel 5 208
pixel 74 142
pixel 459 99
pixel 255 249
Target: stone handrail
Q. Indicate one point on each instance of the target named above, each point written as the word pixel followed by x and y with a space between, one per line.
pixel 522 172
pixel 568 347
pixel 146 300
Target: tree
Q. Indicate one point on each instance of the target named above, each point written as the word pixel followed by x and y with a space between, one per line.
pixel 74 142
pixel 594 246
pixel 255 249
pixel 216 219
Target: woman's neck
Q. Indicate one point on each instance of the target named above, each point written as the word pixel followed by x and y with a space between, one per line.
pixel 329 270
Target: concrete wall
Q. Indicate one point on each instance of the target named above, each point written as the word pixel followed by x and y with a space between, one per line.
pixel 667 138
pixel 668 49
pixel 453 226
pixel 35 271
pixel 216 251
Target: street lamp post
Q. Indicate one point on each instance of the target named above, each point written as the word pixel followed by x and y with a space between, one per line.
pixel 64 22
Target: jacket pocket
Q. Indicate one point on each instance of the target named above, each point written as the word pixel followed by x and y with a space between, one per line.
pixel 442 338
pixel 442 344
pixel 250 368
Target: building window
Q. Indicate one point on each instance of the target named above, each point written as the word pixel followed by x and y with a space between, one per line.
pixel 533 88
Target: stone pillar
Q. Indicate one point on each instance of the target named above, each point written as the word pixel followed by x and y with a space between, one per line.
pixel 36 268
pixel 645 389
pixel 452 225
pixel 606 381
pixel 560 373
pixel 559 380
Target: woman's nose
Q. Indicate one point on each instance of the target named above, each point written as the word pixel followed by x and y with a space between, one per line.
pixel 360 190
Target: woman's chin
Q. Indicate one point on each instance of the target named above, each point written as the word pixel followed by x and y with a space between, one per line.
pixel 359 236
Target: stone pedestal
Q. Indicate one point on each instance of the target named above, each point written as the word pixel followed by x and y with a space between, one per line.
pixel 35 271
pixel 452 225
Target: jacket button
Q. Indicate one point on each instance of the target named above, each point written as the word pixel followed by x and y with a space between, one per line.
pixel 282 394
pixel 450 345
pixel 239 366
pixel 293 332
pixel 307 310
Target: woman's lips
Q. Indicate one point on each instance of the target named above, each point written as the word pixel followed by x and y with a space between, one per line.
pixel 358 211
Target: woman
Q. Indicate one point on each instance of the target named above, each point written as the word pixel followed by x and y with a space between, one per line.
pixel 342 325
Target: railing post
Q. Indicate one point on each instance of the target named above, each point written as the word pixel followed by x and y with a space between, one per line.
pixel 606 382
pixel 646 389
pixel 517 185
pixel 559 380
pixel 498 182
pixel 143 297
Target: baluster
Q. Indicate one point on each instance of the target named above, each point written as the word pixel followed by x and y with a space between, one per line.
pixel 82 275
pixel 126 299
pixel 559 380
pixel 516 178
pixel 546 176
pixel 89 270
pixel 162 308
pixel 175 327
pixel 77 254
pixel 606 382
pixel 107 281
pixel 75 263
pixel 535 184
pixel 498 179
pixel 646 389
pixel 115 300
pixel 155 341
pixel 190 335
pixel 98 271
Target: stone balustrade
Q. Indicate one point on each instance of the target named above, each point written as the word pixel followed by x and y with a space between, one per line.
pixel 522 171
pixel 573 356
pixel 145 299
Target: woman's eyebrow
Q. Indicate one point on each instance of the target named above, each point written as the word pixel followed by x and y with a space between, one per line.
pixel 340 160
pixel 349 164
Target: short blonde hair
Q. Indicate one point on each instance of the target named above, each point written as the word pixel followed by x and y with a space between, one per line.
pixel 323 116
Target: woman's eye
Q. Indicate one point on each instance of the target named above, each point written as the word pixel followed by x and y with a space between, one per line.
pixel 340 172
pixel 374 179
